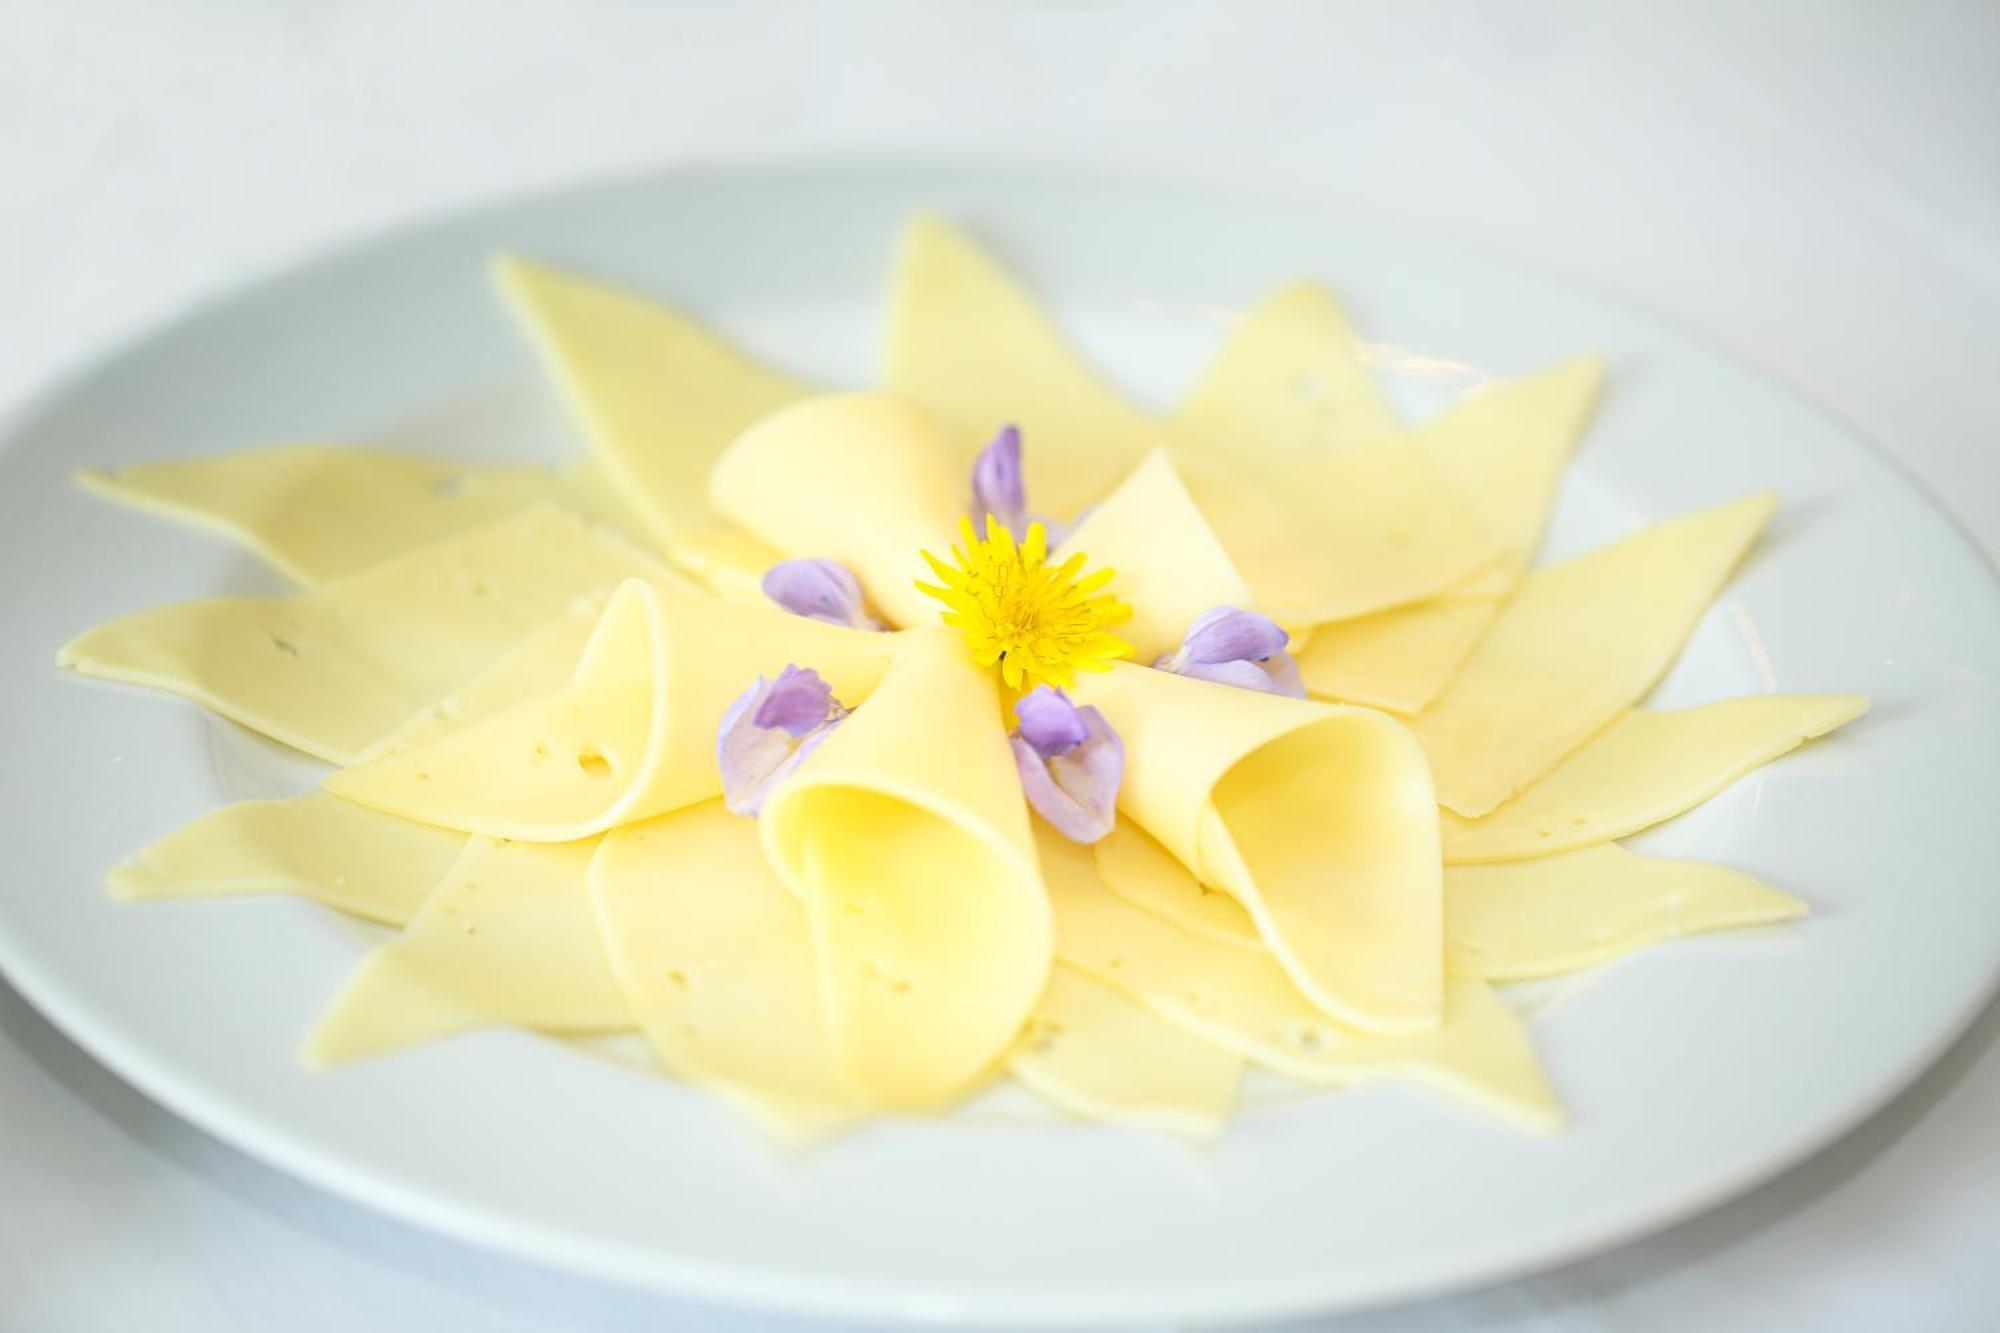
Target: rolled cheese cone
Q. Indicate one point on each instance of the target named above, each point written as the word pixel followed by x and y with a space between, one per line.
pixel 863 478
pixel 631 736
pixel 1319 818
pixel 907 837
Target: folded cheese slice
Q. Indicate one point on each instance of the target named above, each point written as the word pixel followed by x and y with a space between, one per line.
pixel 347 856
pixel 968 343
pixel 1577 645
pixel 906 836
pixel 1319 818
pixel 630 736
pixel 332 669
pixel 1644 768
pixel 507 938
pixel 1170 566
pixel 659 396
pixel 1478 1052
pixel 863 478
pixel 1564 913
pixel 320 511
pixel 1503 450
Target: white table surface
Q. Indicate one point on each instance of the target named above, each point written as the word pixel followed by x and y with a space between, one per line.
pixel 1816 188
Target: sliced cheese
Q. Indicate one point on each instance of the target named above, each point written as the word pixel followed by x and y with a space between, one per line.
pixel 344 855
pixel 508 937
pixel 1644 768
pixel 1100 1056
pixel 334 668
pixel 1478 1052
pixel 631 735
pixel 716 961
pixel 1170 566
pixel 862 478
pixel 319 511
pixel 1503 450
pixel 659 396
pixel 1133 865
pixel 1319 818
pixel 967 342
pixel 1291 377
pixel 729 562
pixel 1563 913
pixel 1578 644
pixel 906 836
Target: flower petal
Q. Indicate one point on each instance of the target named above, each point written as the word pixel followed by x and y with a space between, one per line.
pixel 1050 723
pixel 998 487
pixel 1228 634
pixel 768 732
pixel 1076 791
pixel 819 590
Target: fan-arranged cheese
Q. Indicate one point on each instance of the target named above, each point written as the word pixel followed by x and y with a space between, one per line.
pixel 969 344
pixel 1645 768
pixel 320 511
pixel 906 836
pixel 633 733
pixel 331 669
pixel 1318 818
pixel 1577 645
pixel 506 938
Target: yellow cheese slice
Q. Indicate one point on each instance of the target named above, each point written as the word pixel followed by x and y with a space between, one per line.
pixel 862 478
pixel 350 858
pixel 1101 1056
pixel 1644 768
pixel 968 343
pixel 331 669
pixel 1133 865
pixel 1319 818
pixel 1479 1052
pixel 1563 913
pixel 632 735
pixel 1290 377
pixel 716 961
pixel 659 396
pixel 1170 566
pixel 906 836
pixel 1503 450
pixel 1577 645
pixel 508 937
pixel 320 511
pixel 729 562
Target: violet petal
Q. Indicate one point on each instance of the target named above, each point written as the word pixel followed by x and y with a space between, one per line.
pixel 819 590
pixel 796 702
pixel 1050 722
pixel 1076 791
pixel 998 486
pixel 1226 634
pixel 768 732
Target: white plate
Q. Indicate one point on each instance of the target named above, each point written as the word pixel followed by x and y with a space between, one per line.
pixel 1693 1071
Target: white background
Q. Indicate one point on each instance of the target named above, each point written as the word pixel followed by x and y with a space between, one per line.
pixel 1813 187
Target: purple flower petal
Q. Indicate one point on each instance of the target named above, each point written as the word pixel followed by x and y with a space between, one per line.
pixel 1228 646
pixel 819 590
pixel 1076 791
pixel 768 732
pixel 1050 722
pixel 998 486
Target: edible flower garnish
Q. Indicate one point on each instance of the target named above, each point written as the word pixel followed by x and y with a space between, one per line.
pixel 999 489
pixel 1071 763
pixel 768 732
pixel 1234 647
pixel 819 590
pixel 1040 624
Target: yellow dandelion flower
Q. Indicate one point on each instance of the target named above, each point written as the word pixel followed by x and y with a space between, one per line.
pixel 1039 623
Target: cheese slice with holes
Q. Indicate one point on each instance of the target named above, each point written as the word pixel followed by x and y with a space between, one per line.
pixel 1578 645
pixel 971 345
pixel 1644 768
pixel 320 511
pixel 1318 818
pixel 344 855
pixel 1503 450
pixel 1564 913
pixel 1291 378
pixel 1133 865
pixel 332 669
pixel 906 837
pixel 1099 1055
pixel 1170 566
pixel 862 478
pixel 1479 1052
pixel 659 396
pixel 630 736
pixel 507 938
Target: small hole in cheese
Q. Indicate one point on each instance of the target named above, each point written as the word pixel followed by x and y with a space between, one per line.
pixel 593 763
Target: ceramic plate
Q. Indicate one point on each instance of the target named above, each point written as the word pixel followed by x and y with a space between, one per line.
pixel 1693 1071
